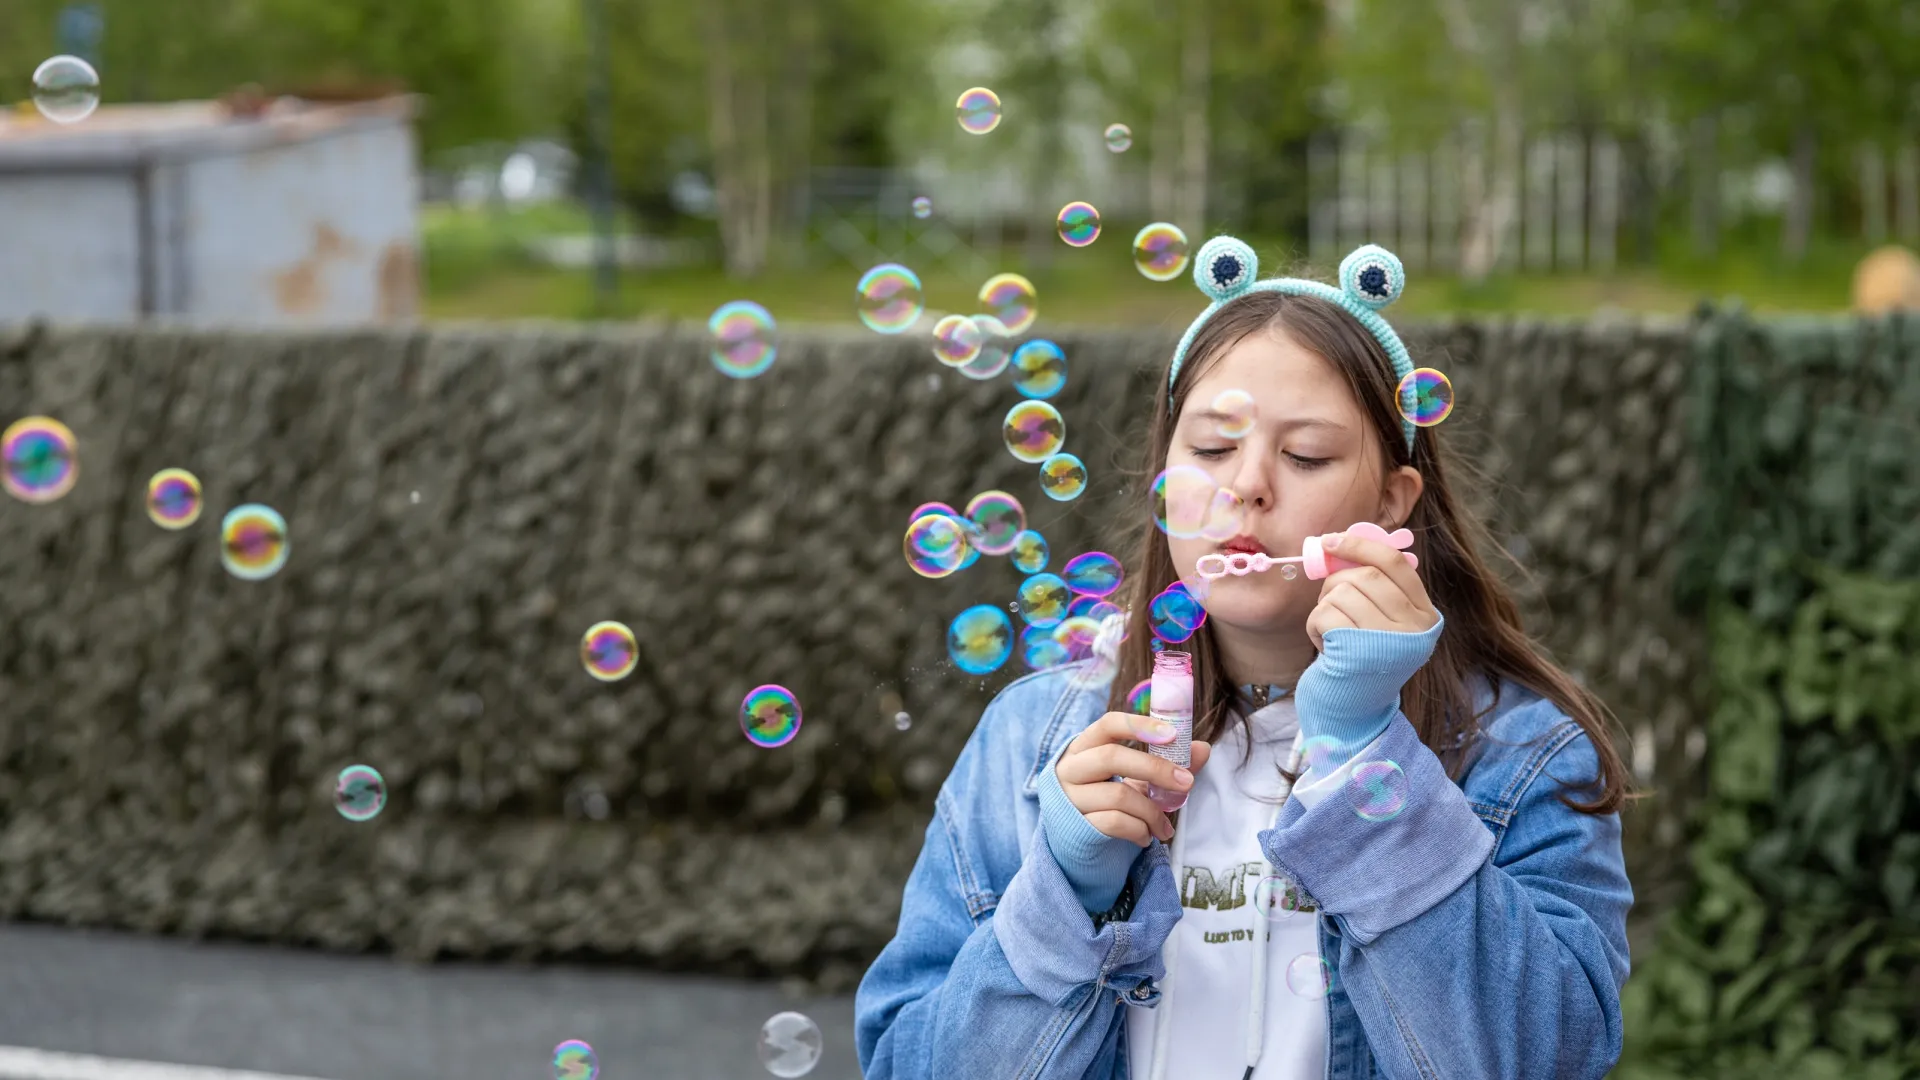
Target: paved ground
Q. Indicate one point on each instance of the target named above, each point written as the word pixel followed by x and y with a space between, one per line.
pixel 308 1014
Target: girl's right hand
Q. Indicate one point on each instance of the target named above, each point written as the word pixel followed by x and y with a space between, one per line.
pixel 1122 810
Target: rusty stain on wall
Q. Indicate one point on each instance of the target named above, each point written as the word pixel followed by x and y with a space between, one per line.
pixel 300 289
pixel 399 281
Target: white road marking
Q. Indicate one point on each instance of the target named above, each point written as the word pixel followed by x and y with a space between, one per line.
pixel 21 1063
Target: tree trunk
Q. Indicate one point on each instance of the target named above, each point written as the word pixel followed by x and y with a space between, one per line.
pixel 1196 79
pixel 1487 240
pixel 1906 192
pixel 1873 193
pixel 737 101
pixel 792 174
pixel 1798 230
pixel 1705 174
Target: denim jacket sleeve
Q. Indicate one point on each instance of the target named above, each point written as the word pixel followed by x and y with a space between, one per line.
pixel 1019 983
pixel 1463 955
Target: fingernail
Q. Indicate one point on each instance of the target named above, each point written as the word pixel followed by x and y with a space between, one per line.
pixel 1332 542
pixel 1183 777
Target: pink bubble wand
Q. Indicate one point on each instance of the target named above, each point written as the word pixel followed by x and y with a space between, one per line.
pixel 1313 558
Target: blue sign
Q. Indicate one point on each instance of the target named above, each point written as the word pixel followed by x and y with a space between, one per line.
pixel 81 27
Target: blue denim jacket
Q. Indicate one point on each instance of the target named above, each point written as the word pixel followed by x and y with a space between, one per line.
pixel 1482 935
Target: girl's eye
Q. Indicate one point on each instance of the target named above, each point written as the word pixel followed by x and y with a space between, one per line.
pixel 1210 453
pixel 1307 462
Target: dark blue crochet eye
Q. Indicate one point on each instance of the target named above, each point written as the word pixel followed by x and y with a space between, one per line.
pixel 1373 281
pixel 1226 270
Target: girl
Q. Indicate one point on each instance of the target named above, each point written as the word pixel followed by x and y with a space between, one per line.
pixel 1439 892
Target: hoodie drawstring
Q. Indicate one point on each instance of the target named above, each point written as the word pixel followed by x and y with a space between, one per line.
pixel 1262 932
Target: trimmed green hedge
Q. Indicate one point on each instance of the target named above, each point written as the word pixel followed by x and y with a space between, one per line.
pixel 1797 952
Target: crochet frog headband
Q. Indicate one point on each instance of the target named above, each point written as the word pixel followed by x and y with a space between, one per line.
pixel 1370 279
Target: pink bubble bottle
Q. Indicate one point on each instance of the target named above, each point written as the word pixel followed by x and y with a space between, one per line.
pixel 1170 701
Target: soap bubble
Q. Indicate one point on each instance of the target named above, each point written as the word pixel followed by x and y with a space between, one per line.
pixel 1034 431
pixel 1139 699
pixel 1276 898
pixel 1174 615
pixel 66 89
pixel 1000 518
pixel 575 1060
pixel 956 340
pixel 253 542
pixel 609 651
pixel 996 349
pixel 1289 571
pixel 975 537
pixel 1094 574
pixel 359 793
pixel 1076 634
pixel 1063 477
pixel 1236 414
pixel 1318 754
pixel 1226 515
pixel 742 334
pixel 935 545
pixel 1309 976
pixel 1426 397
pixel 978 110
pixel 1377 790
pixel 1011 299
pixel 770 716
pixel 1182 497
pixel 1093 607
pixel 1119 138
pixel 39 459
pixel 922 207
pixel 1160 251
pixel 980 639
pixel 1043 600
pixel 1039 369
pixel 1030 554
pixel 1079 224
pixel 1040 650
pixel 890 298
pixel 902 721
pixel 173 498
pixel 931 508
pixel 790 1045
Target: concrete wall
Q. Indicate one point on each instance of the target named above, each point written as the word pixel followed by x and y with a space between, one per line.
pixel 169 734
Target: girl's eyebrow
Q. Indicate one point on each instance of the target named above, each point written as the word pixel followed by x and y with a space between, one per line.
pixel 1290 424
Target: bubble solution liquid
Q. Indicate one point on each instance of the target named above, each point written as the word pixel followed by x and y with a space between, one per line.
pixel 1171 701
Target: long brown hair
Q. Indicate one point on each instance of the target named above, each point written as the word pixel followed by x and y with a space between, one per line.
pixel 1484 641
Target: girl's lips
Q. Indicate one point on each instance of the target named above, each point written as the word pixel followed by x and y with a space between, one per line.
pixel 1245 544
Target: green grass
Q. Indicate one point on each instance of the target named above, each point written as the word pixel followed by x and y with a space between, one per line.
pixel 476 270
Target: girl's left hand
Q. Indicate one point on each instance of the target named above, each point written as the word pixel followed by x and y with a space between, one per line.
pixel 1383 593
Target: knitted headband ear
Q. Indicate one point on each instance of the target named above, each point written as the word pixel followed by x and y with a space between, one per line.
pixel 1370 279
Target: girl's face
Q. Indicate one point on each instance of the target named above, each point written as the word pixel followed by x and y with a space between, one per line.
pixel 1310 465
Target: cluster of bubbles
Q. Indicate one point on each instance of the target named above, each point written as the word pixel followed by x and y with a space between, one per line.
pixel 1061 614
pixel 789 1046
pixel 40 463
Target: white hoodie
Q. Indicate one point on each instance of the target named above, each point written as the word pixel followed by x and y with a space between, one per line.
pixel 1223 1013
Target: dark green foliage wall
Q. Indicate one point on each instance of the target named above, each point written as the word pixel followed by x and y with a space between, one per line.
pixel 1798 951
